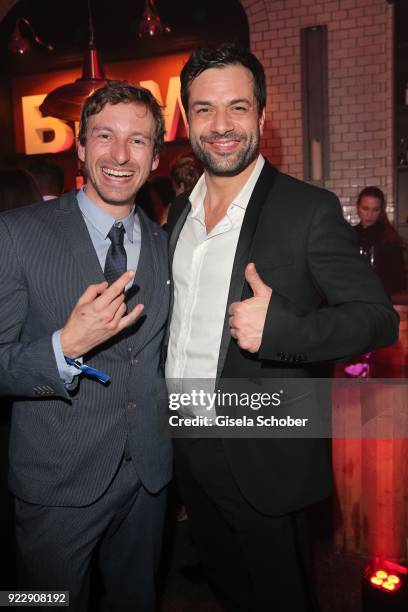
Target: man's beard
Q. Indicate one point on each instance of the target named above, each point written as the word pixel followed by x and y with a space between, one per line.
pixel 227 165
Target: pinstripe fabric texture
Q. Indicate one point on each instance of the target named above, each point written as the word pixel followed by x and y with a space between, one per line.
pixel 66 446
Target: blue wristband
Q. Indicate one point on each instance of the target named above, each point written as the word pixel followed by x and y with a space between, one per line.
pixel 91 372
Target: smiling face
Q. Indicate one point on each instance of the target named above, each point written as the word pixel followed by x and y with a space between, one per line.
pixel 118 155
pixel 224 124
pixel 369 210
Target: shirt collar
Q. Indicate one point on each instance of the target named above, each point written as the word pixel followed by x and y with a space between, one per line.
pixel 101 220
pixel 198 194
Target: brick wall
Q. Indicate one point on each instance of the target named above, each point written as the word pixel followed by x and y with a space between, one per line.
pixel 360 88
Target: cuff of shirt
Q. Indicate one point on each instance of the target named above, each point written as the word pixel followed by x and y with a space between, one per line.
pixel 67 373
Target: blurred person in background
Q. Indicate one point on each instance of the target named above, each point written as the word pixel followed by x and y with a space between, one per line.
pixel 50 178
pixel 379 240
pixel 17 188
pixel 184 173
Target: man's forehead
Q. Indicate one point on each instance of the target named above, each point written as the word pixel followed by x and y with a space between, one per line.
pixel 223 78
pixel 123 109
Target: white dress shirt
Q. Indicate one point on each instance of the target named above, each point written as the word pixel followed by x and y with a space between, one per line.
pixel 202 268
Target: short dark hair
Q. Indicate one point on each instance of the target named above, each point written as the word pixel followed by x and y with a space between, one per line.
pixel 49 176
pixel 219 57
pixel 183 170
pixel 115 92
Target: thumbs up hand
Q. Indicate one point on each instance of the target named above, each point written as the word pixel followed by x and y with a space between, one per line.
pixel 247 318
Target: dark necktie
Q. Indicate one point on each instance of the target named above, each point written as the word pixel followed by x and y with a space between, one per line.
pixel 116 260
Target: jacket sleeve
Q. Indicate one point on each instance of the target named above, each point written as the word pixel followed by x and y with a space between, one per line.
pixel 354 315
pixel 27 368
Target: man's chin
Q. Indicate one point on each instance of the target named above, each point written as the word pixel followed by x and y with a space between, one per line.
pixel 233 171
pixel 231 167
pixel 117 199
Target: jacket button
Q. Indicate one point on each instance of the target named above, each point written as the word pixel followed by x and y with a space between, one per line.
pixel 131 407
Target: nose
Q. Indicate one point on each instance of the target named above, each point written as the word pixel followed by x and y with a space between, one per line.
pixel 222 121
pixel 120 152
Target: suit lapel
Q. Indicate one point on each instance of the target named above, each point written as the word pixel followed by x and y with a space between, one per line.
pixel 183 211
pixel 145 286
pixel 183 208
pixel 243 253
pixel 76 234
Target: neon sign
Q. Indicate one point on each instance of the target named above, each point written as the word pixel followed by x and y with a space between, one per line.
pixel 50 135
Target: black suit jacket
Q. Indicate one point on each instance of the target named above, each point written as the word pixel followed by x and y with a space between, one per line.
pixel 326 304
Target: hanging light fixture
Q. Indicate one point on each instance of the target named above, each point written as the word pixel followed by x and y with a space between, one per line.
pixel 151 24
pixel 65 102
pixel 19 44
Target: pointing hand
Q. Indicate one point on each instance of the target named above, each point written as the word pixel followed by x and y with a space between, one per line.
pixel 99 314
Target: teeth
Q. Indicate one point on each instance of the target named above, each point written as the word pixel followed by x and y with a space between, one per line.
pixel 223 144
pixel 120 173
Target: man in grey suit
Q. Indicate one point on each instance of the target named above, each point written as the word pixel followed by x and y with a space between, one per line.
pixel 89 458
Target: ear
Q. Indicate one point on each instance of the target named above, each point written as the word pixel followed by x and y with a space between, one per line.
pixel 81 152
pixel 261 121
pixel 155 162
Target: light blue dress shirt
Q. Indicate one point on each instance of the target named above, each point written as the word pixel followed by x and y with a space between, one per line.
pixel 99 224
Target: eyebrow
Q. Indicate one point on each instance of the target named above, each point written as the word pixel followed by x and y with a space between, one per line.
pixel 234 101
pixel 101 128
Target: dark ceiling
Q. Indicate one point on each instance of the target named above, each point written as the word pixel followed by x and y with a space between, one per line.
pixel 65 26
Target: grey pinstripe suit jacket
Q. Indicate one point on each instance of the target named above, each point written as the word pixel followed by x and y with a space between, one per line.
pixel 66 446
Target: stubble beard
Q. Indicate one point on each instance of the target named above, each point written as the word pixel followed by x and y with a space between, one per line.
pixel 108 195
pixel 227 164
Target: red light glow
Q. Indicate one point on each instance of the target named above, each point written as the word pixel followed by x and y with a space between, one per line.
pixel 385 575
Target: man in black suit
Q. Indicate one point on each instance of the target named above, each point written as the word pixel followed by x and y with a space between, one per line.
pixel 89 458
pixel 267 284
